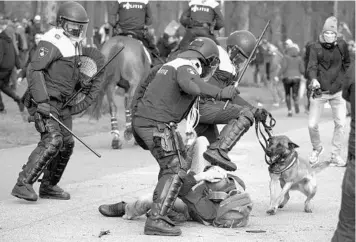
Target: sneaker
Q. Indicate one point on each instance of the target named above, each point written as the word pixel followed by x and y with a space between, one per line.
pixel 290 114
pixel 259 104
pixel 276 105
pixel 336 160
pixel 314 156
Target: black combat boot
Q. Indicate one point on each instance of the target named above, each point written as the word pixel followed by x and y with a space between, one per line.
pixel 157 222
pixel 230 134
pixel 53 173
pixel 23 189
pixel 49 191
pixel 113 210
pixel 49 188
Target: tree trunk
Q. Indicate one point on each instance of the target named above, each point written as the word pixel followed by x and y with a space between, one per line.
pixel 243 14
pixel 49 11
pixel 2 8
pixel 336 8
pixel 276 23
pixel 308 22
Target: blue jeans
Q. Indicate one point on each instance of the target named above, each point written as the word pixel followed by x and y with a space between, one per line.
pixel 338 108
pixel 345 231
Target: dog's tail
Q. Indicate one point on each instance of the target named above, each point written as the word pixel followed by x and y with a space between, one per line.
pixel 318 167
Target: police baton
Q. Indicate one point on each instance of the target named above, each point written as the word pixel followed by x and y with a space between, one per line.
pixel 32 119
pixel 91 78
pixel 248 60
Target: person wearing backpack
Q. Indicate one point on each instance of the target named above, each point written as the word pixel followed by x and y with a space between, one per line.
pixel 328 61
pixel 8 60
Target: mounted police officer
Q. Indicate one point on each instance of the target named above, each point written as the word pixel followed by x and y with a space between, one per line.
pixel 133 17
pixel 53 76
pixel 239 115
pixel 156 113
pixel 200 19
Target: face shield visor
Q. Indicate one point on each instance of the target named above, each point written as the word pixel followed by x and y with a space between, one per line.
pixel 209 67
pixel 75 31
pixel 236 56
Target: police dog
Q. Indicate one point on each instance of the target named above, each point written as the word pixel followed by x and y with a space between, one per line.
pixel 290 172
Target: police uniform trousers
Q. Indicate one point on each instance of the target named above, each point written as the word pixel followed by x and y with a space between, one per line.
pixel 54 149
pixel 156 137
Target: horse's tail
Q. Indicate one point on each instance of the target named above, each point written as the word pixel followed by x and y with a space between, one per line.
pixel 95 110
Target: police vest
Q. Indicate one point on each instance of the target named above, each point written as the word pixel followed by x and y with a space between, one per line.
pixel 202 12
pixel 132 14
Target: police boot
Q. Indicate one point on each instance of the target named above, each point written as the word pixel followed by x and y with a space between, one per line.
pixel 157 222
pixel 230 134
pixel 53 173
pixel 23 189
pixel 50 191
pixel 113 210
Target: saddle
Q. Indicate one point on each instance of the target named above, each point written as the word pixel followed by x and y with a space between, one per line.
pixel 129 33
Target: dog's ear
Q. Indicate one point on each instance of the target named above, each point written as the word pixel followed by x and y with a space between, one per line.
pixel 292 145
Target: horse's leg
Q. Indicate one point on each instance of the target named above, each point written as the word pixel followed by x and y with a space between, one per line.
pixel 128 127
pixel 116 142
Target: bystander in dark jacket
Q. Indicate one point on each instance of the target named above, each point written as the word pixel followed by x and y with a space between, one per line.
pixel 328 64
pixel 8 62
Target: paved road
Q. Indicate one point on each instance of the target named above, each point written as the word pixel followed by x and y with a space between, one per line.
pixel 128 173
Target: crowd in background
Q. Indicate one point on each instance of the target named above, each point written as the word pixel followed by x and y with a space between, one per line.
pixel 26 33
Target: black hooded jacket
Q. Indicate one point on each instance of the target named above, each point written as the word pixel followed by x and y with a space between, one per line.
pixel 7 55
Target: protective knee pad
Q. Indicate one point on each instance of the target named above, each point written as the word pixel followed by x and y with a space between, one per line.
pixel 167 191
pixel 52 144
pixel 247 114
pixel 58 165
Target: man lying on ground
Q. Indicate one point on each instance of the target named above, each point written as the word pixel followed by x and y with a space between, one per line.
pixel 209 195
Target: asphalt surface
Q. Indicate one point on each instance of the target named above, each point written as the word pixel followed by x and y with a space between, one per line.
pixel 128 173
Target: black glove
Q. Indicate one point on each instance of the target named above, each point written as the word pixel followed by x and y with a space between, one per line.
pixel 44 109
pixel 227 93
pixel 84 83
pixel 261 115
pixel 39 123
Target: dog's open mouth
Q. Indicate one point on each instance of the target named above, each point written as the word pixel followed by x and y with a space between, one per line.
pixel 274 158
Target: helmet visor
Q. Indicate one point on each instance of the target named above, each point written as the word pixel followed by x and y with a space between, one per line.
pixel 210 66
pixel 236 56
pixel 76 31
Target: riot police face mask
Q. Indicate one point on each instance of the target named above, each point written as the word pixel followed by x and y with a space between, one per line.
pixel 76 31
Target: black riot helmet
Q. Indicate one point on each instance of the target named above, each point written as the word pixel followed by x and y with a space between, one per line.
pixel 73 18
pixel 207 52
pixel 240 45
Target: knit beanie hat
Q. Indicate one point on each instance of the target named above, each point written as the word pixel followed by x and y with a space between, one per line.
pixel 330 25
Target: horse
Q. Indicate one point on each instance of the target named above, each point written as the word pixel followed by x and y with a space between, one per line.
pixel 272 63
pixel 126 70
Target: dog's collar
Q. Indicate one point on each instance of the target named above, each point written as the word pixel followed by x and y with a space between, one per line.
pixel 283 164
